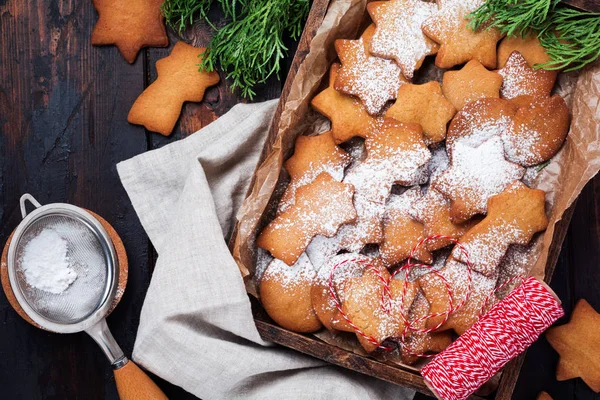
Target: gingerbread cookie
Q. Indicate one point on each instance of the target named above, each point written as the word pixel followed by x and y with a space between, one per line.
pixel 513 217
pixel 285 292
pixel 179 80
pixel 480 121
pixel 475 175
pixel 312 156
pixel 458 43
pixel 348 265
pixel 362 304
pixel 520 79
pixel 577 344
pixel 320 208
pixel 373 80
pixel 425 105
pixel 400 232
pixel 398 35
pixel 480 295
pixel 433 212
pixel 417 343
pixel 348 116
pixel 537 130
pixel 529 47
pixel 130 26
pixel 472 82
pixel 394 153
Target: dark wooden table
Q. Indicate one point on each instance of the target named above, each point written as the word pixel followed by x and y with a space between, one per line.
pixel 63 128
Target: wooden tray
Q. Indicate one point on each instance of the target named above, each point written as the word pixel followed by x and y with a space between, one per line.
pixel 311 345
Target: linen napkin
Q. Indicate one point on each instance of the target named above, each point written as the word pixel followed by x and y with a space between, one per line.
pixel 196 328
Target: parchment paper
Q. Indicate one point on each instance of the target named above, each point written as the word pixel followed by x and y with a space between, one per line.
pixel 563 179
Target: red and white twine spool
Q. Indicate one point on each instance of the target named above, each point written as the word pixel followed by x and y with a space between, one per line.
pixel 501 334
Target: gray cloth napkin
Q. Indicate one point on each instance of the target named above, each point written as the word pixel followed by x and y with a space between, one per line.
pixel 196 327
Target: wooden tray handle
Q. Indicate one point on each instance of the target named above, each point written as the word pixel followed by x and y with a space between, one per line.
pixel 134 384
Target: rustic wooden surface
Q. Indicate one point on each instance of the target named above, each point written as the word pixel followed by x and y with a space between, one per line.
pixel 63 108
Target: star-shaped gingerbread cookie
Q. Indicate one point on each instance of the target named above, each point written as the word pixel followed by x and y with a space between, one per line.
pixel 347 115
pixel 513 217
pixel 521 79
pixel 577 344
pixel 320 208
pixel 425 105
pixel 458 43
pixel 312 156
pixel 373 80
pixel 472 82
pixel 159 106
pixel 398 35
pixel 361 302
pixel 130 25
pixel 475 175
pixel 400 231
pixel 457 276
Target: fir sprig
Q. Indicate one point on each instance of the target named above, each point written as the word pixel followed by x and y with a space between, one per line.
pixel 249 48
pixel 570 37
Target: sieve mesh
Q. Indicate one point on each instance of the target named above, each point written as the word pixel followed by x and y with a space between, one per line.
pixel 87 258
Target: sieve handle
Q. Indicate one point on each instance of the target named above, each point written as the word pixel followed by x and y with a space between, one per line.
pixel 32 200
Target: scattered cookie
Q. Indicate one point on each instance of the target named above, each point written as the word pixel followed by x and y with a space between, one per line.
pixel 520 79
pixel 425 105
pixel 400 231
pixel 433 211
pixel 373 80
pixel 179 80
pixel 348 116
pixel 312 156
pixel 395 151
pixel 349 265
pixel 513 217
pixel 398 35
pixel 456 274
pixel 361 302
pixel 320 208
pixel 577 344
pixel 417 343
pixel 537 130
pixel 458 43
pixel 130 26
pixel 472 82
pixel 529 47
pixel 475 175
pixel 285 292
pixel 479 121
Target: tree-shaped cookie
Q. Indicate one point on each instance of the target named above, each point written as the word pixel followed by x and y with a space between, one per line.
pixel 400 231
pixel 425 105
pixel 577 343
pixel 472 82
pixel 320 208
pixel 521 79
pixel 312 156
pixel 395 151
pixel 179 80
pixel 373 80
pixel 458 43
pixel 480 296
pixel 514 216
pixel 348 116
pixel 475 175
pixel 398 35
pixel 361 302
pixel 129 25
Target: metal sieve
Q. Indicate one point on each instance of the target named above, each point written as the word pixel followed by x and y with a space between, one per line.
pixel 85 303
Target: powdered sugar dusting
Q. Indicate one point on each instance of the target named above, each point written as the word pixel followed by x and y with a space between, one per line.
pixel 291 277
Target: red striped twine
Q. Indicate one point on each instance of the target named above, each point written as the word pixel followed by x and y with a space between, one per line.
pixel 504 332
